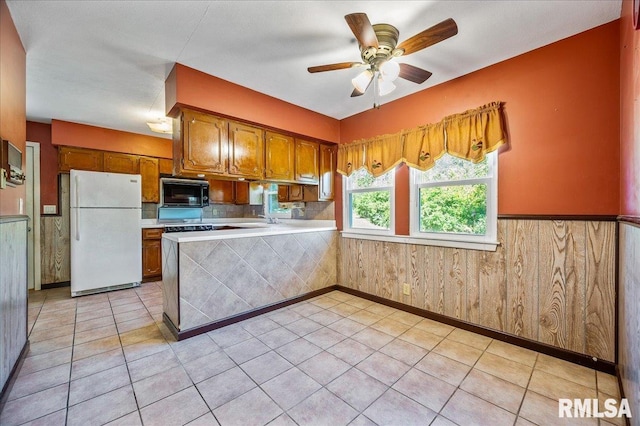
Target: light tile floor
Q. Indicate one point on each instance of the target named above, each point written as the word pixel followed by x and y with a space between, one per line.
pixel 333 360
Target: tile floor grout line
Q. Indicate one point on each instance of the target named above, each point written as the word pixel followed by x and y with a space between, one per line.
pixel 526 389
pixel 126 363
pixel 73 347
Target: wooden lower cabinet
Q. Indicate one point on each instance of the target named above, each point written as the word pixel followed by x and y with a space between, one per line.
pixel 151 254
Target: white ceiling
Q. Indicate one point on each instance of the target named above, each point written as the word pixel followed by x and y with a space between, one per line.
pixel 104 62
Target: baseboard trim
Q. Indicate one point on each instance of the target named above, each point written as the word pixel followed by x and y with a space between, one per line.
pixel 55 285
pixel 565 354
pixel 6 390
pixel 181 335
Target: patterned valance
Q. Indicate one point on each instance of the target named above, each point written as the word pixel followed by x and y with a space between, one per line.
pixel 474 133
pixel 469 135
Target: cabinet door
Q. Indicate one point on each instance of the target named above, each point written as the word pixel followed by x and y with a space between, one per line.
pixel 283 193
pixel 306 161
pixel 166 166
pixel 242 192
pixel 220 191
pixel 327 172
pixel 150 172
pixel 310 193
pixel 79 159
pixel 246 150
pixel 116 162
pixel 295 193
pixel 151 258
pixel 279 157
pixel 204 143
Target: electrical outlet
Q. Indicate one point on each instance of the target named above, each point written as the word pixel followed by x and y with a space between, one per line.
pixel 406 289
pixel 50 209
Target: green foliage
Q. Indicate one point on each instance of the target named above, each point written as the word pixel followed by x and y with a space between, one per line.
pixel 375 207
pixel 459 209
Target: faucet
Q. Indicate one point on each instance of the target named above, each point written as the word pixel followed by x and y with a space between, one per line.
pixel 272 220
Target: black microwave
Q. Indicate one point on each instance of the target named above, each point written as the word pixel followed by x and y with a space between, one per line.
pixel 184 193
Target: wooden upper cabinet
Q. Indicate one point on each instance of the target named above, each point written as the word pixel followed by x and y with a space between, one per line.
pixel 79 159
pixel 221 191
pixel 241 192
pixel 307 161
pixel 165 166
pixel 150 172
pixel 246 150
pixel 295 193
pixel 116 162
pixel 327 172
pixel 204 143
pixel 279 157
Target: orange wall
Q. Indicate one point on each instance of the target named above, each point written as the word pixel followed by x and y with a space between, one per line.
pixel 41 133
pixel 13 101
pixel 189 87
pixel 561 104
pixel 630 114
pixel 85 136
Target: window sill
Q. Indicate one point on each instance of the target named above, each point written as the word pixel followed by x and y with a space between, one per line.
pixel 484 246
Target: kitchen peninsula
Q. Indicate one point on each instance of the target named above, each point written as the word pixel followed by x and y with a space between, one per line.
pixel 210 277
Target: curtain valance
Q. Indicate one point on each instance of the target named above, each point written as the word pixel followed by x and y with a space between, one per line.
pixel 469 135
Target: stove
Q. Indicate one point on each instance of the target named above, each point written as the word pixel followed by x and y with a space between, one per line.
pixel 189 228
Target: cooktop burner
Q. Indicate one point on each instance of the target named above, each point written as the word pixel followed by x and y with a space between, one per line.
pixel 188 228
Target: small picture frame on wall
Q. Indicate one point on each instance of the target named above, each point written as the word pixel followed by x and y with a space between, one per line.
pixel 636 13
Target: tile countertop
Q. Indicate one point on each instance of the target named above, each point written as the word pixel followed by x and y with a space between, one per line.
pixel 250 228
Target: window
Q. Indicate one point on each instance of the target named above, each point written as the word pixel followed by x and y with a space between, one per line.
pixel 369 202
pixel 456 200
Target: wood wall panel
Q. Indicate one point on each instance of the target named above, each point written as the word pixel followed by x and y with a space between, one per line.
pixel 473 286
pixel 576 288
pixel 552 286
pixel 549 281
pixel 600 297
pixel 522 277
pixel 438 279
pixel 629 315
pixel 455 278
pixel 55 246
pixel 492 284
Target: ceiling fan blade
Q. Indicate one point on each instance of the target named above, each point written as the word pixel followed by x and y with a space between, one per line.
pixel 362 29
pixel 415 74
pixel 429 37
pixel 332 67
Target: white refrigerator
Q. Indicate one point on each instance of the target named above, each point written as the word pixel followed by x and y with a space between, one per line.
pixel 106 246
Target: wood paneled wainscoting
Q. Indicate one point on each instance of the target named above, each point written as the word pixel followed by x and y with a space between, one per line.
pixel 629 323
pixel 550 281
pixel 55 246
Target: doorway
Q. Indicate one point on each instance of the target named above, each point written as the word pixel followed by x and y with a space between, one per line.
pixel 32 183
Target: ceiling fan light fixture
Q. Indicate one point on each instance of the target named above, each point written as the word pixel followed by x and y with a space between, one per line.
pixel 390 70
pixel 385 86
pixel 362 80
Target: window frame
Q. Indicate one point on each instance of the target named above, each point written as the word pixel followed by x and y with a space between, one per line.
pixel 488 241
pixel 347 208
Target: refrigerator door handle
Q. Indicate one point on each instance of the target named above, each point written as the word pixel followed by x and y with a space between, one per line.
pixel 77 210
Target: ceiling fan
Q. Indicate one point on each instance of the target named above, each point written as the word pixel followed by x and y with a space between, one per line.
pixel 378 47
